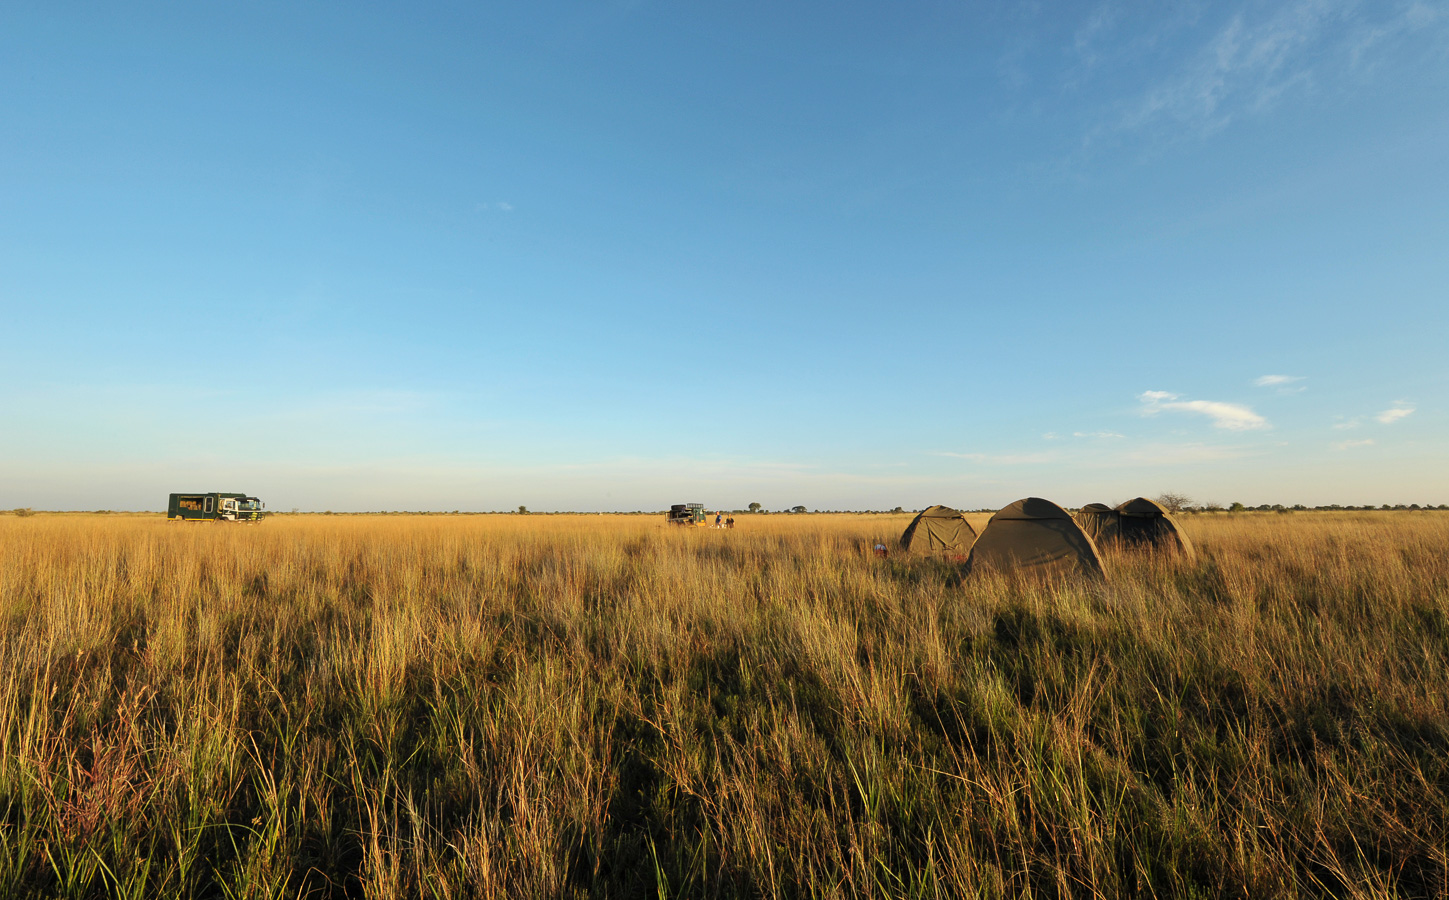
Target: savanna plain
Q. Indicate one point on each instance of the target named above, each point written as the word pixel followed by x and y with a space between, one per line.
pixel 570 706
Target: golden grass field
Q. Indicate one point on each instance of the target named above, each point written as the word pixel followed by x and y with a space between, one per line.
pixel 568 706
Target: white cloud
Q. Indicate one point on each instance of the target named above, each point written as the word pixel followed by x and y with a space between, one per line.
pixel 1346 445
pixel 1399 410
pixel 505 206
pixel 1285 384
pixel 1275 380
pixel 1051 436
pixel 1097 434
pixel 1395 413
pixel 1229 416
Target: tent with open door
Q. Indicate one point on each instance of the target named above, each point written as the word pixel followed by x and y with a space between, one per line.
pixel 939 528
pixel 1143 523
pixel 1038 537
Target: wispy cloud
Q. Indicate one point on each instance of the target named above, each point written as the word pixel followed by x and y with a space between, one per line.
pixel 1246 66
pixel 1348 445
pixel 1248 63
pixel 1283 384
pixel 1169 454
pixel 1415 16
pixel 1229 416
pixel 1394 413
pixel 1110 454
pixel 1276 380
pixel 1005 459
pixel 1100 435
pixel 1088 37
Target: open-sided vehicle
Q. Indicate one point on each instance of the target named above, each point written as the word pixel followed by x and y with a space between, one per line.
pixel 214 507
pixel 687 514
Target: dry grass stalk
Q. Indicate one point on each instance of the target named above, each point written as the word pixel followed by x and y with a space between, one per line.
pixel 501 706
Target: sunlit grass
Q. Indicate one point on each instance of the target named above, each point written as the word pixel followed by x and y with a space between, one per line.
pixel 505 706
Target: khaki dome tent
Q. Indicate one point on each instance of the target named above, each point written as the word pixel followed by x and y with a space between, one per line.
pixel 1037 536
pixel 1144 523
pixel 939 528
pixel 1099 521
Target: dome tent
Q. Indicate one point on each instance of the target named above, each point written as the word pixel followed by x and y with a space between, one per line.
pixel 1144 523
pixel 939 528
pixel 1036 536
pixel 1099 521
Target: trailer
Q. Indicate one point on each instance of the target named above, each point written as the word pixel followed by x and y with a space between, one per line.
pixel 216 506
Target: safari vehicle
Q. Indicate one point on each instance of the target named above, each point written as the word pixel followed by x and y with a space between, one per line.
pixel 687 514
pixel 214 507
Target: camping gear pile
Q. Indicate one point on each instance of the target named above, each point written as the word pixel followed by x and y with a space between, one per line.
pixel 1036 536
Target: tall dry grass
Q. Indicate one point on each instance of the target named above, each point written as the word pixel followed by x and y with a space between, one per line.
pixel 575 706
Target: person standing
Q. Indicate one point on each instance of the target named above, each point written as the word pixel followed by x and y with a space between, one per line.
pixel 718 518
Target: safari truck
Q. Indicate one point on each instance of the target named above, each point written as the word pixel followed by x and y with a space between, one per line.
pixel 214 507
pixel 687 514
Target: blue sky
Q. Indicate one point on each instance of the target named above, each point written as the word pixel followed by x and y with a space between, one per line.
pixel 618 255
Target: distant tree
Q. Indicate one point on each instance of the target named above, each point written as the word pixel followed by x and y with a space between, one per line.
pixel 1174 502
pixel 797 509
pixel 897 510
pixel 523 510
pixel 1236 507
pixel 755 507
